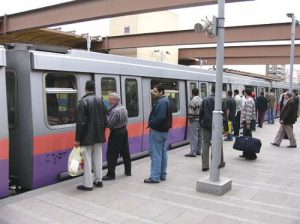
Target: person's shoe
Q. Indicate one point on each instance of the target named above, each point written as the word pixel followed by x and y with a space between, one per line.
pixel 251 158
pixel 221 165
pixel 198 153
pixel 127 174
pixel 83 188
pixel 242 156
pixel 205 169
pixel 292 146
pixel 163 179
pixel 190 155
pixel 98 184
pixel 150 181
pixel 105 178
pixel 273 143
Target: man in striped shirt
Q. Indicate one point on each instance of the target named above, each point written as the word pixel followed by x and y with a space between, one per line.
pixel 118 138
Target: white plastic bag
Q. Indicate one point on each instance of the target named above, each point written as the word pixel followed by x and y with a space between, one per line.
pixel 75 162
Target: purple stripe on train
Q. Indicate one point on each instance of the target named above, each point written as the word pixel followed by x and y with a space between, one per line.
pixel 48 166
pixel 4 178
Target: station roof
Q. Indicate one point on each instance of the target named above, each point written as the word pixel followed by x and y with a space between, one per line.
pixel 44 36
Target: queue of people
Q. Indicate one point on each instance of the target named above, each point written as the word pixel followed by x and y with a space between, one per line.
pixel 92 118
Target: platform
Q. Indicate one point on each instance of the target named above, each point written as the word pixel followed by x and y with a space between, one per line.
pixel 263 191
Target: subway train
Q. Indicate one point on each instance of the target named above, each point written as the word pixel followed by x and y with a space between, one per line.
pixel 40 89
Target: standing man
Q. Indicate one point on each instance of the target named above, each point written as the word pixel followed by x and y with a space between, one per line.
pixel 118 139
pixel 229 114
pixel 271 104
pixel 239 106
pixel 90 134
pixel 206 113
pixel 194 125
pixel 160 121
pixel 288 117
pixel 247 117
pixel 262 106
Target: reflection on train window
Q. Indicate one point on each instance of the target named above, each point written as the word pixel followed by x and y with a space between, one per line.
pixel 171 91
pixel 131 95
pixel 108 86
pixel 11 98
pixel 61 98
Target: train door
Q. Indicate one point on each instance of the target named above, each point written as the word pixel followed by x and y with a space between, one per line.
pixel 4 145
pixel 131 88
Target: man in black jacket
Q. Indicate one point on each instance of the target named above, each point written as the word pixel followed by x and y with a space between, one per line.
pixel 90 134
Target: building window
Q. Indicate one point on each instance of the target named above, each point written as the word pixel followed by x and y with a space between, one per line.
pixel 126 29
pixel 131 95
pixel 61 98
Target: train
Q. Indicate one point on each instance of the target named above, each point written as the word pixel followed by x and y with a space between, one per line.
pixel 41 87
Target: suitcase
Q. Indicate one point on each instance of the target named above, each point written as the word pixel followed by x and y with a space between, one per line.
pixel 247 144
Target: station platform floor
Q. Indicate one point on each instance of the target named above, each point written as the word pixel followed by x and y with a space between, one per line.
pixel 266 190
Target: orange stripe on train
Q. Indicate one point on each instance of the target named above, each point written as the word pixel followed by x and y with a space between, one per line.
pixel 4 145
pixel 65 140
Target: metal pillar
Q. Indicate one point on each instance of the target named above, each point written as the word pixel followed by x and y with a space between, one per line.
pixel 292 54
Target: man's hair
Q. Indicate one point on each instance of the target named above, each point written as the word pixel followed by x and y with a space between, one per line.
pixel 229 92
pixel 262 93
pixel 90 86
pixel 236 92
pixel 195 92
pixel 272 90
pixel 288 94
pixel 115 96
pixel 248 92
pixel 160 88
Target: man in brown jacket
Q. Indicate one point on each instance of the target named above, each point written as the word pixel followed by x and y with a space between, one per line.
pixel 288 117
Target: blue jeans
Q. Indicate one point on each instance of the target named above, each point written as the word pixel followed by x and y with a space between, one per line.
pixel 158 154
pixel 270 116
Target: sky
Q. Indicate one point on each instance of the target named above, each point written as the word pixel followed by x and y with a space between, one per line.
pixel 236 14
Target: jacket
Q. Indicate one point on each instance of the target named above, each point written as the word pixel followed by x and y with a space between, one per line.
pixel 206 112
pixel 288 115
pixel 160 118
pixel 90 120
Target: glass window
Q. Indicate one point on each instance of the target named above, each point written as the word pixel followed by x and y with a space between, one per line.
pixel 61 98
pixel 131 95
pixel 192 86
pixel 203 90
pixel 108 86
pixel 11 94
pixel 171 91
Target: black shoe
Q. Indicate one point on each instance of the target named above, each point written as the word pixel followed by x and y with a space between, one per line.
pixel 190 155
pixel 105 178
pixel 221 165
pixel 205 169
pixel 198 153
pixel 242 156
pixel 83 188
pixel 98 184
pixel 292 146
pixel 150 181
pixel 272 143
pixel 162 179
pixel 250 157
pixel 127 174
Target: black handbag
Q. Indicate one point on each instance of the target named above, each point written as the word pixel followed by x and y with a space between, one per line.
pixel 247 144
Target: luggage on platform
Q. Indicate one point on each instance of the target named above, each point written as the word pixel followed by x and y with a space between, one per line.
pixel 247 144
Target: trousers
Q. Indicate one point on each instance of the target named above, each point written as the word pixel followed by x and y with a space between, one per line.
pixel 195 137
pixel 118 145
pixel 92 156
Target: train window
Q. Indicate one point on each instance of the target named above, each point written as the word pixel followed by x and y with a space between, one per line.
pixel 171 91
pixel 61 99
pixel 108 86
pixel 193 85
pixel 203 90
pixel 11 98
pixel 131 95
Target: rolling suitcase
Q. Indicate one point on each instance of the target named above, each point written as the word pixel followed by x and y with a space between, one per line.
pixel 247 144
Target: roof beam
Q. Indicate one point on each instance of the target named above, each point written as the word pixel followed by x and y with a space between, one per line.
pixel 79 11
pixel 249 33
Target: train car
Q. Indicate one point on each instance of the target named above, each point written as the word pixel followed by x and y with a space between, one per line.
pixel 4 153
pixel 46 84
